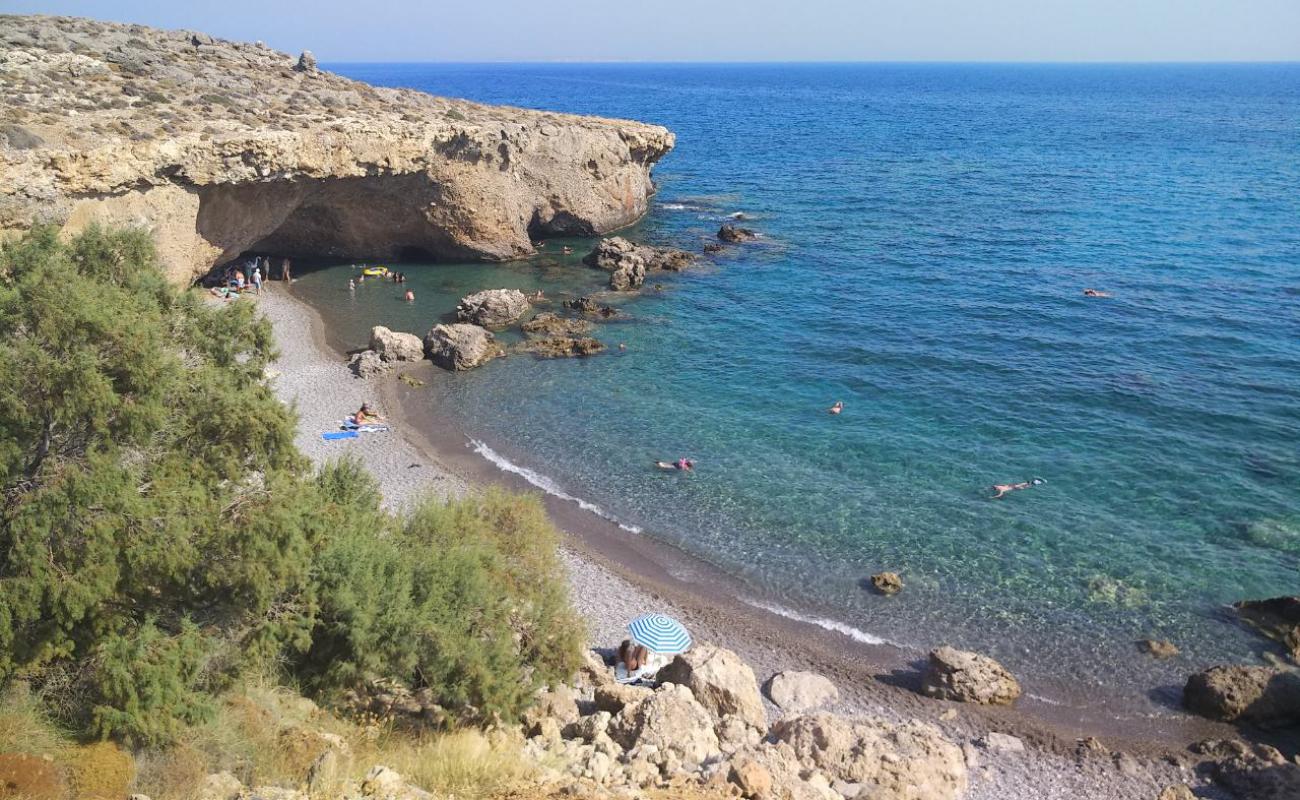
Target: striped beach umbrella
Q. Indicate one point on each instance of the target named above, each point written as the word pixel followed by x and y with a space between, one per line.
pixel 660 634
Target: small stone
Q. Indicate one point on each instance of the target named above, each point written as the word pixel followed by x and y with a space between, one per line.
pixel 752 777
pixel 1158 648
pixel 1003 743
pixel 1179 791
pixel 846 789
pixel 887 583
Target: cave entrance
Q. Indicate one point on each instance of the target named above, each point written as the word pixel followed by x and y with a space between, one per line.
pixel 410 252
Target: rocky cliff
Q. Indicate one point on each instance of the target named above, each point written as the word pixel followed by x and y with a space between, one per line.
pixel 225 147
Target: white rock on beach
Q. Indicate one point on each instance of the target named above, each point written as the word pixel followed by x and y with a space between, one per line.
pixel 395 346
pixel 907 761
pixel 720 681
pixel 798 692
pixel 968 677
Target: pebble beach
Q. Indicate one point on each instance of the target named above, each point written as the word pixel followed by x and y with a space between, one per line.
pixel 312 377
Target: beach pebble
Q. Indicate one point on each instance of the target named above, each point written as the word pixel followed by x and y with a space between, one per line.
pixel 1158 648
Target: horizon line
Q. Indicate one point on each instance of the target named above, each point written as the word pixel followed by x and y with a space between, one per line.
pixel 843 62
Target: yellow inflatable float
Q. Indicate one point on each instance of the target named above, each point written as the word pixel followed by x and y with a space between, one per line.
pixel 371 272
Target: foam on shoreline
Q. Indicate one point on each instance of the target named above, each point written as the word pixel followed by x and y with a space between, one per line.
pixel 546 484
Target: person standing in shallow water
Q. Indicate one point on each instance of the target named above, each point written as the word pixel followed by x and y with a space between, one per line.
pixel 284 271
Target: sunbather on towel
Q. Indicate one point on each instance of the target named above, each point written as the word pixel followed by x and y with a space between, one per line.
pixel 365 416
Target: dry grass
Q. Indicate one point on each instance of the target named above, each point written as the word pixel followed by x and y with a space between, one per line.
pixel 467 764
pixel 25 727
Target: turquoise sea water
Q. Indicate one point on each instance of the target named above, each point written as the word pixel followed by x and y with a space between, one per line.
pixel 927 233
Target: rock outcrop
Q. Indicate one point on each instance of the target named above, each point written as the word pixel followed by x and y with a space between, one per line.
pixel 627 263
pixel 548 324
pixel 801 692
pixel 562 346
pixel 493 308
pixel 732 234
pixel 591 308
pixel 967 677
pixel 887 583
pixel 395 346
pixel 1277 618
pixel 461 346
pixel 908 761
pixel 223 147
pixel 1264 695
pixel 1252 771
pixel 720 681
pixel 670 720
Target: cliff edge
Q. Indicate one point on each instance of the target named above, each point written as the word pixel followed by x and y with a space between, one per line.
pixel 224 147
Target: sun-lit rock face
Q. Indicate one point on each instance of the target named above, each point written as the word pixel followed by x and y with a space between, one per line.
pixel 221 147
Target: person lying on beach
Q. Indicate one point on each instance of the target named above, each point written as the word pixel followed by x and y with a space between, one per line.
pixel 684 464
pixel 1003 488
pixel 837 408
pixel 632 656
pixel 365 416
pixel 1095 293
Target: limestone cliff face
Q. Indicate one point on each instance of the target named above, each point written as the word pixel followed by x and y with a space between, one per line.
pixel 221 147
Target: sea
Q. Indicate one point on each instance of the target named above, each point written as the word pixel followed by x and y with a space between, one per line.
pixel 926 232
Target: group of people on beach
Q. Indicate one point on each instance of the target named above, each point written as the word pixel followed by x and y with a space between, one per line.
pixel 247 276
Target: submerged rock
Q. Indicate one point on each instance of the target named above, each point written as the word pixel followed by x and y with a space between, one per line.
pixel 548 324
pixel 628 263
pixel 1263 695
pixel 591 308
pixel 1277 618
pixel 461 346
pixel 563 346
pixel 732 234
pixel 493 308
pixel 799 692
pixel 1158 648
pixel 968 678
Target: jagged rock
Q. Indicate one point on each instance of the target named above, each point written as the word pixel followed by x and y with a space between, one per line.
pixel 219 786
pixel 548 324
pixel 368 364
pixel 1178 791
pixel 614 697
pixel 1267 695
pixel 325 772
pixel 220 146
pixel 790 779
pixel 563 346
pixel 1277 618
pixel 799 692
pixel 1003 743
pixel 590 727
pixel 968 678
pixel 593 673
pixel 754 779
pixel 461 346
pixel 908 761
pixel 713 247
pixel 671 720
pixel 306 62
pixel 1252 771
pixel 628 263
pixel 887 583
pixel 591 308
pixel 394 346
pixel 731 233
pixel 736 734
pixel 1158 648
pixel 720 681
pixel 558 704
pixel 493 308
pixel 629 276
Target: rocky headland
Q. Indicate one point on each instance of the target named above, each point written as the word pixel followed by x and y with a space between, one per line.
pixel 224 147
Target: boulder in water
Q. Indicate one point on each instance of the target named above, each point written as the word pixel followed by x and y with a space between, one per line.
pixel 887 583
pixel 590 307
pixel 1262 695
pixel 548 324
pixel 968 677
pixel 493 308
pixel 732 234
pixel 1161 649
pixel 563 346
pixel 1277 618
pixel 461 346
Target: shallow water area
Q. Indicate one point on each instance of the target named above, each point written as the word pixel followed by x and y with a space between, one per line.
pixel 927 233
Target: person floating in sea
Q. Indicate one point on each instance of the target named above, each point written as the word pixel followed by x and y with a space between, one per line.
pixel 683 464
pixel 567 251
pixel 837 408
pixel 537 295
pixel 365 416
pixel 622 346
pixel 1095 293
pixel 409 296
pixel 1003 488
pixel 352 285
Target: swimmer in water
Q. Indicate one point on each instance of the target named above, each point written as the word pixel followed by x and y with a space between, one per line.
pixel 1095 293
pixel 1003 488
pixel 683 464
pixel 409 296
pixel 352 285
pixel 837 408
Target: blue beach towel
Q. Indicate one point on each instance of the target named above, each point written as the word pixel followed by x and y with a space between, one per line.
pixel 333 435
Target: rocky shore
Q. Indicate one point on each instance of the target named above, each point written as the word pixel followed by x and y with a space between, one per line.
pixel 755 710
pixel 224 147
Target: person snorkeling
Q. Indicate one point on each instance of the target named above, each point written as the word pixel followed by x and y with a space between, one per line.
pixel 837 408
pixel 683 464
pixel 1003 488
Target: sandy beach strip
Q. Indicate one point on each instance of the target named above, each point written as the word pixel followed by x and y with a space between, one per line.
pixel 613 578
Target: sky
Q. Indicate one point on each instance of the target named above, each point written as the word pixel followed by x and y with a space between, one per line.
pixel 730 30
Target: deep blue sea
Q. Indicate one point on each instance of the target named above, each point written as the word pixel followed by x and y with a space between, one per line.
pixel 927 232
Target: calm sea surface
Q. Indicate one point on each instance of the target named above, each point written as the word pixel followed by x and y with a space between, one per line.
pixel 927 234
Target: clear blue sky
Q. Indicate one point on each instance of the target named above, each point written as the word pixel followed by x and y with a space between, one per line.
pixel 730 30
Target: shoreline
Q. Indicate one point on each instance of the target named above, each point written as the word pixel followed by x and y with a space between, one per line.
pixel 614 575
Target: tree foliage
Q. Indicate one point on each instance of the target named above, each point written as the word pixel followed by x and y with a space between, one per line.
pixel 158 525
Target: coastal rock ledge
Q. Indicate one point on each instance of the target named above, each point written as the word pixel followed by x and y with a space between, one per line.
pixel 223 147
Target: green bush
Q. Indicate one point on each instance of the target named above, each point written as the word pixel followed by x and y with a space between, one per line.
pixel 160 530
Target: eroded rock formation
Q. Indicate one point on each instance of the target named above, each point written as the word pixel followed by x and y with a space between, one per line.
pixel 223 147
